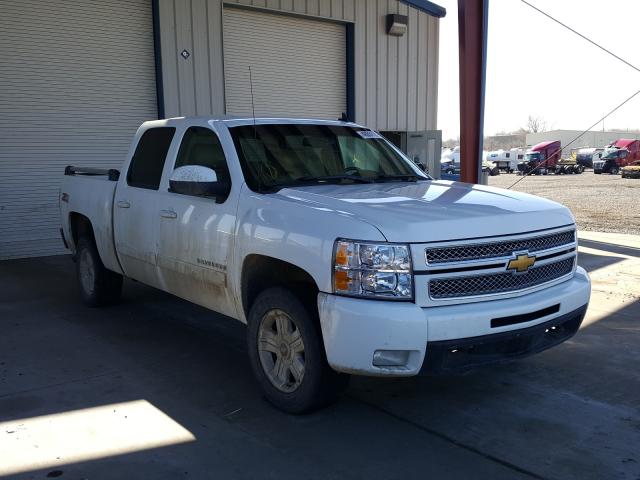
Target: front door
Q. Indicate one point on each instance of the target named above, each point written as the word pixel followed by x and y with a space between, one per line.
pixel 196 233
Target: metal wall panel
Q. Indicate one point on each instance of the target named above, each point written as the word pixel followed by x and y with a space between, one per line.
pixel 396 81
pixel 77 79
pixel 297 64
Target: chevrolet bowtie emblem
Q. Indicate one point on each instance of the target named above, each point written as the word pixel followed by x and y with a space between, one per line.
pixel 521 263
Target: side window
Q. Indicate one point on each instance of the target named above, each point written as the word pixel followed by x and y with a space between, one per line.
pixel 507 154
pixel 148 160
pixel 200 146
pixel 623 154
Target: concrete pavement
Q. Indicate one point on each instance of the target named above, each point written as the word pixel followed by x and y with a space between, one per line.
pixel 158 388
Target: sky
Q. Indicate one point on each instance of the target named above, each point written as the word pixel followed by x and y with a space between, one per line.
pixel 536 67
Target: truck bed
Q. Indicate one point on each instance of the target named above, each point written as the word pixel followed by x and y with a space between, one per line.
pixel 92 196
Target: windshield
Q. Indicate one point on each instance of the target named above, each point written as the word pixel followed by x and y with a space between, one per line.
pixel 281 155
pixel 612 154
pixel 532 156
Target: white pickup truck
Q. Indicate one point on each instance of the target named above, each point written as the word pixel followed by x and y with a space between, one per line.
pixel 339 254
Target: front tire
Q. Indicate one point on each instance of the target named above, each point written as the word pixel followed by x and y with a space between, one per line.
pixel 98 285
pixel 287 354
pixel 614 171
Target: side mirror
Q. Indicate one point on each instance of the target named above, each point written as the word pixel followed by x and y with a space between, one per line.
pixel 198 181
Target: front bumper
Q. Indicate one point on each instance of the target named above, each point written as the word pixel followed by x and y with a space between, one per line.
pixel 353 329
pixel 448 356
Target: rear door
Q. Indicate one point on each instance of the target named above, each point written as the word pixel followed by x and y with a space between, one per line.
pixel 196 233
pixel 136 216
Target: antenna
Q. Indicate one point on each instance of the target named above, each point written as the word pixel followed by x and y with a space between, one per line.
pixel 253 107
pixel 255 131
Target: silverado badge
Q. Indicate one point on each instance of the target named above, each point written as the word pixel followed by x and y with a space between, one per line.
pixel 521 262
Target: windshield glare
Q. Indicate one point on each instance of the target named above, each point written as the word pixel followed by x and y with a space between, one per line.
pixel 278 155
pixel 613 154
pixel 533 156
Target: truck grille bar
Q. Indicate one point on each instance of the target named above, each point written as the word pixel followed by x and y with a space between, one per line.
pixel 443 255
pixel 476 285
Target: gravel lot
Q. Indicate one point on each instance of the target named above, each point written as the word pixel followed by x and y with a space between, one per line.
pixel 600 203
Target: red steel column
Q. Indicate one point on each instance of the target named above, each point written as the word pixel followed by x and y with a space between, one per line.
pixel 472 35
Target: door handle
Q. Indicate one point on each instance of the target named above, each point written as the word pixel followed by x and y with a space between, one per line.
pixel 168 214
pixel 123 204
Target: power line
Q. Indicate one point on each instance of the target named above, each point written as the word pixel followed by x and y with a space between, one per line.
pixel 574 140
pixel 601 119
pixel 581 35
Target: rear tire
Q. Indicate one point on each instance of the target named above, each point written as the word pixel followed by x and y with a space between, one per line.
pixel 287 354
pixel 614 171
pixel 98 286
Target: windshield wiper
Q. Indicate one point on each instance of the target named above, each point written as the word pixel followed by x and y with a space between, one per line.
pixel 329 178
pixel 409 177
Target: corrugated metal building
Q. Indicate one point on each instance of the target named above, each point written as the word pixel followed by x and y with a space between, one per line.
pixel 77 78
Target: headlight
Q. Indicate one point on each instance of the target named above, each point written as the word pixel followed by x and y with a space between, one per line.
pixel 381 270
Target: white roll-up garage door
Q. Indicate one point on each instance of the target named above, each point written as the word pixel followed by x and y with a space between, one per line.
pixel 298 65
pixel 76 80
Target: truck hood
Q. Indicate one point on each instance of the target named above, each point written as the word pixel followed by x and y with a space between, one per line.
pixel 434 210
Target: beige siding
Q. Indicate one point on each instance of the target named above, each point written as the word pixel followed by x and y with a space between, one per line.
pixel 313 85
pixel 395 78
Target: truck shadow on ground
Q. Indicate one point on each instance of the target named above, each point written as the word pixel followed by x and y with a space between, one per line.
pixel 499 422
pixel 57 356
pixel 592 261
pixel 610 247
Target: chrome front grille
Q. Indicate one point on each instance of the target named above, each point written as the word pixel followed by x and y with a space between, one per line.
pixel 503 282
pixel 443 255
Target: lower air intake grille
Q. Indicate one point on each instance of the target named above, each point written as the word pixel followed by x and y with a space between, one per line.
pixel 476 285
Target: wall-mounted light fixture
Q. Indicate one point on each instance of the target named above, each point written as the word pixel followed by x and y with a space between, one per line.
pixel 396 24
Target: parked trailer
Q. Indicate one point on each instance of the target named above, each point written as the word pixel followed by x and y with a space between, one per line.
pixel 507 160
pixel 568 166
pixel 586 156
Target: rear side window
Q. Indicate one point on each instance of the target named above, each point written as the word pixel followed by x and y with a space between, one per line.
pixel 148 160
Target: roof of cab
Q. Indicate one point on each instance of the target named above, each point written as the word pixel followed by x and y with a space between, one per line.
pixel 234 120
pixel 542 145
pixel 623 142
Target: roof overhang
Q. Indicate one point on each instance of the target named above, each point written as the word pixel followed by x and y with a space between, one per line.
pixel 427 7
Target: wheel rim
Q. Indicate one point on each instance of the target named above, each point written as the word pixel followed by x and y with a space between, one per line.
pixel 87 271
pixel 281 351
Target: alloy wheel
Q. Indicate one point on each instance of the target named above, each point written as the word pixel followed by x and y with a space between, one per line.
pixel 281 350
